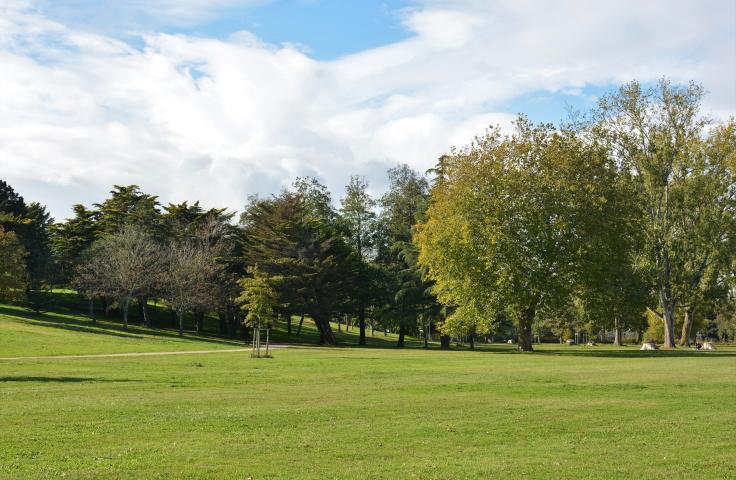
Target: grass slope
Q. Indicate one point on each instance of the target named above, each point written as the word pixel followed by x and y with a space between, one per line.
pixel 64 331
pixel 563 412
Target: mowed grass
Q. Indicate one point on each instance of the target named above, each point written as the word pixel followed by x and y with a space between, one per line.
pixel 562 412
pixel 24 333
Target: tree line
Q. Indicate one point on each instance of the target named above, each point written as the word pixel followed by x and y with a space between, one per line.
pixel 294 252
pixel 620 219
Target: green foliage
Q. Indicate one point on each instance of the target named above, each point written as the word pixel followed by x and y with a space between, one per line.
pixel 316 198
pixel 408 301
pixel 550 230
pixel 510 221
pixel 31 223
pixel 258 299
pixel 69 239
pixel 357 213
pixel 655 328
pixel 12 268
pixel 312 268
pixel 680 172
pixel 128 205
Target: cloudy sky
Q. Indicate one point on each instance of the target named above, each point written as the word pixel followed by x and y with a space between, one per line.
pixel 218 99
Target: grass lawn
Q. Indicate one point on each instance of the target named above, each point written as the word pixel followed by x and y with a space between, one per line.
pixel 64 331
pixel 562 412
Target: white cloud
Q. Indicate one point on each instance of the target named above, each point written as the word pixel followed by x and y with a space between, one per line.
pixel 119 15
pixel 443 28
pixel 199 118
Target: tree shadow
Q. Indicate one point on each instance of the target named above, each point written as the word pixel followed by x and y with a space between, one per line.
pixel 55 320
pixel 502 348
pixel 636 353
pixel 58 379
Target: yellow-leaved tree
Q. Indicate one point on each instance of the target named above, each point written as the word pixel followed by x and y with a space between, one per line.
pixel 509 223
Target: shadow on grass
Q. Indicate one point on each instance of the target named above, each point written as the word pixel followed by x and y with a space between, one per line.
pixel 545 350
pixel 55 320
pixel 309 337
pixel 58 379
pixel 632 353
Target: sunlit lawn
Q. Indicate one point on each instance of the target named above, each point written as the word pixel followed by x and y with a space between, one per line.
pixel 563 412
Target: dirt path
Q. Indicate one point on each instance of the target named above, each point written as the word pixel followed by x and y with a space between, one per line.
pixel 135 354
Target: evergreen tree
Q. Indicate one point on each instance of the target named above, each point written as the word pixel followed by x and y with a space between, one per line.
pixel 311 268
pixel 357 213
pixel 69 239
pixel 408 294
pixel 12 267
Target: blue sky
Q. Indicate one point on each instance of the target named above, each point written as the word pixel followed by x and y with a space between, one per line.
pixel 326 28
pixel 219 99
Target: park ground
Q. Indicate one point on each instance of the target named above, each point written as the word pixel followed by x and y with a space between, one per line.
pixel 349 412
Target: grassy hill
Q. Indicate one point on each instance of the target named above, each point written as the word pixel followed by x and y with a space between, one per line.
pixel 383 413
pixel 66 331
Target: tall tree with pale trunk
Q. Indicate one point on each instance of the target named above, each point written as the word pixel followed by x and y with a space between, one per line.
pixel 660 136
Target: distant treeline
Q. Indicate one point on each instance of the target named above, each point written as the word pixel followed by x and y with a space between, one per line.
pixel 622 219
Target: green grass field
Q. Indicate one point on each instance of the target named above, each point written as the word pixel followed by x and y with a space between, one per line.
pixel 562 412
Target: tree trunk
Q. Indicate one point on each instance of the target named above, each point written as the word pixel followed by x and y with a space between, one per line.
pixel 668 305
pixel 222 321
pixel 402 333
pixel 174 318
pixel 361 322
pixel 471 339
pixel 669 325
pixel 299 328
pixel 92 311
pixel 180 318
pixel 526 318
pixel 288 323
pixel 244 331
pixel 143 302
pixel 426 335
pixel 444 342
pixel 231 316
pixel 617 332
pixel 687 326
pixel 199 322
pixel 326 335
pixel 126 304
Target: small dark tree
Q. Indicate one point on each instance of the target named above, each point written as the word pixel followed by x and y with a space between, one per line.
pixel 260 301
pixel 12 267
